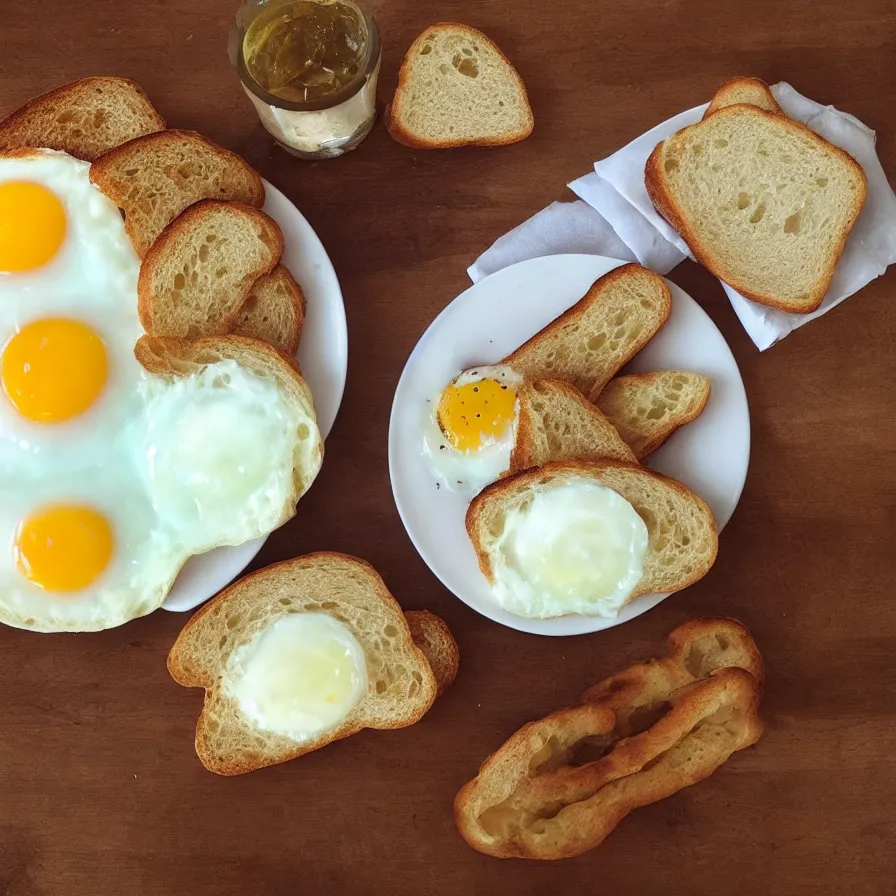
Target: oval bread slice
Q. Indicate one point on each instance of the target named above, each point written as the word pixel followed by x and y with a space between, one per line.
pixel 199 272
pixel 274 311
pixel 752 91
pixel 401 686
pixel 682 537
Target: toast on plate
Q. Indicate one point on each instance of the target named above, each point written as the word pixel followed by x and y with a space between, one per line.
pixel 274 311
pixel 749 91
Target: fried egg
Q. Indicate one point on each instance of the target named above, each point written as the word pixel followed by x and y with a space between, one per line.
pixel 574 548
pixel 470 431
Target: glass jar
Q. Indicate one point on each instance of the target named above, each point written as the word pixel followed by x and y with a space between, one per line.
pixel 310 68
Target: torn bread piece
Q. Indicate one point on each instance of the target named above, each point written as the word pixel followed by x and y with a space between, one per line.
pixel 274 311
pixel 434 638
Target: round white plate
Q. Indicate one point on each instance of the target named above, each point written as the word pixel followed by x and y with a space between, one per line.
pixel 323 356
pixel 485 324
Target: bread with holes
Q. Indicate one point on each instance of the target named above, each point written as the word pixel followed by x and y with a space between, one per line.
pixel 763 202
pixel 738 91
pixel 85 118
pixel 556 422
pixel 400 685
pixel 180 357
pixel 592 340
pixel 154 178
pixel 200 271
pixel 646 408
pixel 274 311
pixel 560 785
pixel 682 536
pixel 434 638
pixel 456 88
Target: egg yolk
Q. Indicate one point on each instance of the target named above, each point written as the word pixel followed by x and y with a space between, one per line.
pixel 32 226
pixel 63 547
pixel 53 369
pixel 476 414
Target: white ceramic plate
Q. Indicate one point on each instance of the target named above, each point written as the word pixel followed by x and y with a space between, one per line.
pixel 485 324
pixel 323 356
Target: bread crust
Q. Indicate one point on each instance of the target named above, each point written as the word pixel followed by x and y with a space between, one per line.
pixel 401 134
pixel 432 635
pixel 666 206
pixel 739 85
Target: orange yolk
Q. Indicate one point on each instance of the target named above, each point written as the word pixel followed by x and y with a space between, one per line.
pixel 64 547
pixel 53 369
pixel 476 414
pixel 32 226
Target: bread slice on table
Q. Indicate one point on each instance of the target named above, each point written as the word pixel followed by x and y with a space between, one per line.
pixel 400 683
pixel 592 340
pixel 646 408
pixel 749 91
pixel 154 178
pixel 763 202
pixel 200 271
pixel 556 423
pixel 434 638
pixel 682 536
pixel 274 311
pixel 85 118
pixel 456 88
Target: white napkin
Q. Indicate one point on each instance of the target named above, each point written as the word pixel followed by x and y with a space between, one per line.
pixel 616 193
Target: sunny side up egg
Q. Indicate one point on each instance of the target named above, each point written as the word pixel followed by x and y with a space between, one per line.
pixel 470 431
pixel 112 478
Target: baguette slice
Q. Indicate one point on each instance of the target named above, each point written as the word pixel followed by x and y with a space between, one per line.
pixel 559 786
pixel 557 423
pixel 749 91
pixel 456 88
pixel 85 118
pixel 434 638
pixel 683 540
pixel 200 271
pixel 646 408
pixel 589 342
pixel 154 178
pixel 274 312
pixel 401 685
pixel 763 202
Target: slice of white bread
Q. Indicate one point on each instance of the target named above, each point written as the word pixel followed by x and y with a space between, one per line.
pixel 401 686
pixel 763 202
pixel 274 311
pixel 589 342
pixel 646 408
pixel 434 638
pixel 749 91
pixel 682 536
pixel 559 786
pixel 85 118
pixel 556 422
pixel 181 357
pixel 456 88
pixel 200 271
pixel 154 178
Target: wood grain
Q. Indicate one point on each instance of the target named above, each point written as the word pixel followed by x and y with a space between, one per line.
pixel 100 791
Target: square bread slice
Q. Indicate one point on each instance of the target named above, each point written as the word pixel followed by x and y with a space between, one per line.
pixel 85 118
pixel 763 202
pixel 274 312
pixel 751 91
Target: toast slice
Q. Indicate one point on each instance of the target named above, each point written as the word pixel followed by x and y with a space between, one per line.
pixel 456 88
pixel 274 312
pixel 646 408
pixel 200 271
pixel 763 202
pixel 208 653
pixel 85 118
pixel 556 422
pixel 589 342
pixel 559 786
pixel 748 91
pixel 154 178
pixel 434 638
pixel 682 536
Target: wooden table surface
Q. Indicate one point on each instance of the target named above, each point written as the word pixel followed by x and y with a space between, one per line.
pixel 100 790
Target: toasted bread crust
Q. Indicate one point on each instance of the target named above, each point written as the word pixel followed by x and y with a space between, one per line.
pixel 736 87
pixel 432 635
pixel 666 206
pixel 401 135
